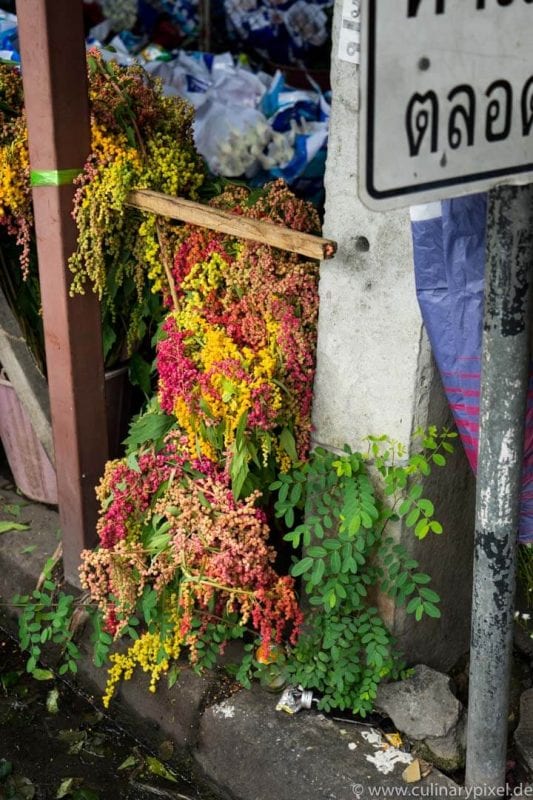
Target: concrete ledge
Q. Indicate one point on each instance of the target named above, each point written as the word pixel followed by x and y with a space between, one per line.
pixel 241 746
pixel 249 749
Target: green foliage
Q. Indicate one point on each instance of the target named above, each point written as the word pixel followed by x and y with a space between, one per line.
pixel 149 427
pixel 347 502
pixel 338 510
pixel 46 617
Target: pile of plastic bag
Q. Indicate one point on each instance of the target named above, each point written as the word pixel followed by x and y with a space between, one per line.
pixel 283 31
pixel 8 37
pixel 248 124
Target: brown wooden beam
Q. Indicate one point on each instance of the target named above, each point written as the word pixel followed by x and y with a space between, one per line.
pixel 55 91
pixel 233 224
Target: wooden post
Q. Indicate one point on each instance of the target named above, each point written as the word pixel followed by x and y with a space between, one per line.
pixel 55 90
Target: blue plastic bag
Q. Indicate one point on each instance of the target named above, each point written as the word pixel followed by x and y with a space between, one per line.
pixel 449 256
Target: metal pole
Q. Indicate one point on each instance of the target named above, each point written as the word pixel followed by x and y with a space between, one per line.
pixel 57 111
pixel 502 413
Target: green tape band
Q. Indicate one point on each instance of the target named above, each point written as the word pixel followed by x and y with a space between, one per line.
pixel 53 177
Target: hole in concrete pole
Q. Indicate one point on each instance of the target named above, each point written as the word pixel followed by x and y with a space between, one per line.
pixel 424 63
pixel 362 244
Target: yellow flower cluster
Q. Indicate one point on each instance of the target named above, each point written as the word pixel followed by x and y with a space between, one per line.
pixel 231 373
pixel 148 652
pixel 142 140
pixel 14 168
pixel 171 166
pixel 105 145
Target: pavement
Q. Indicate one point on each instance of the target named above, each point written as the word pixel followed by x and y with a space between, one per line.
pixel 239 744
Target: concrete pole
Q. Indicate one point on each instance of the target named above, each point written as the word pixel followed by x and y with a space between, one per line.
pixel 502 413
pixel 375 372
pixel 57 111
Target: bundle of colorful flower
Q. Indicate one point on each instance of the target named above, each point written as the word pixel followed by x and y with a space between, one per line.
pixel 140 139
pixel 236 367
pixel 184 542
pixel 177 547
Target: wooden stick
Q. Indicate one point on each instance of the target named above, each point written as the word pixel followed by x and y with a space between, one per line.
pixel 233 224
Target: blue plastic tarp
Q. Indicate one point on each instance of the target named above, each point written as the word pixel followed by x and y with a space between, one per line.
pixel 449 256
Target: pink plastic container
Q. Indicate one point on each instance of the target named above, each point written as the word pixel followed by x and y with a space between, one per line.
pixel 32 471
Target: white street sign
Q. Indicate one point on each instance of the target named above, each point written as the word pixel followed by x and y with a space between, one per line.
pixel 447 98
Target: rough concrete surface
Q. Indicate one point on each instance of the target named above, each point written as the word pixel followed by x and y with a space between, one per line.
pixel 242 746
pixel 446 752
pixel 375 373
pixel 425 709
pixel 421 706
pixel 292 757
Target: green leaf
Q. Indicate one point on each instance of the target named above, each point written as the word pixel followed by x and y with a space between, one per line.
pixel 422 528
pixel 109 337
pixel 296 493
pixel 416 491
pixel 85 794
pixel 42 674
pixel 148 428
pixel 427 506
pixel 431 610
pixel 158 768
pixel 12 508
pixel 317 552
pixel 435 526
pixel 51 701
pixel 438 459
pixel 302 566
pixel 429 594
pixel 173 675
pixel 412 517
pixel 130 761
pixel 413 604
pixel 405 506
pixel 288 444
pixel 318 571
pixel 132 463
pixel 421 577
pixel 65 787
pixel 332 544
pixel 7 525
pixel 139 373
pixel 335 561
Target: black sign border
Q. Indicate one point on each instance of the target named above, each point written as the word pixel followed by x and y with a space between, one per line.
pixel 377 194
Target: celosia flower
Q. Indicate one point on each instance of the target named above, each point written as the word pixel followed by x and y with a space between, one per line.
pixel 241 343
pixel 217 564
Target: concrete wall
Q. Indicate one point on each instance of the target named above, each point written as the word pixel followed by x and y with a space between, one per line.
pixel 375 373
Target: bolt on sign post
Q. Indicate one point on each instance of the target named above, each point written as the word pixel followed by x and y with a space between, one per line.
pixel 57 111
pixel 447 109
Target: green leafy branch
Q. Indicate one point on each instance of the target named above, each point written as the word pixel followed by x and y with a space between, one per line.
pixel 344 504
